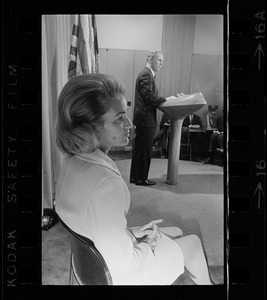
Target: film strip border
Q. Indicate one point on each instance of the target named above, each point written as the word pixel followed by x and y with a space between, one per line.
pixel 247 152
pixel 22 179
pixel 247 165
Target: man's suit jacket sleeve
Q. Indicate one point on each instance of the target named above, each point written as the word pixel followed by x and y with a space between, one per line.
pixel 148 90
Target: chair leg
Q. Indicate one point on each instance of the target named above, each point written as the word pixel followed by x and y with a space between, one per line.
pixel 71 271
pixel 190 152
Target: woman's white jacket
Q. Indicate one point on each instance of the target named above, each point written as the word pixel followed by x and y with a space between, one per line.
pixel 93 200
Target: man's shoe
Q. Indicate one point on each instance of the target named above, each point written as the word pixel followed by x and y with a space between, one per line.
pixel 145 182
pixel 132 180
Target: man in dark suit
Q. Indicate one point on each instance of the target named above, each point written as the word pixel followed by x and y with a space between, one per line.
pixel 216 142
pixel 193 122
pixel 145 118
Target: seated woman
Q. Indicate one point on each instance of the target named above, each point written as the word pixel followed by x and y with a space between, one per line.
pixel 93 199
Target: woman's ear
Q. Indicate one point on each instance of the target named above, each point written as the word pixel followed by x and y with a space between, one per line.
pixel 98 129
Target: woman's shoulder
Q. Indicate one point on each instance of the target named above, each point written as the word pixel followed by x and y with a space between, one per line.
pixel 87 168
pixel 89 179
pixel 97 161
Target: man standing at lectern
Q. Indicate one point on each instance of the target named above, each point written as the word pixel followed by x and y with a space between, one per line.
pixel 145 118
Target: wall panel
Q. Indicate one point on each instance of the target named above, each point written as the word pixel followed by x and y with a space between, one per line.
pixel 103 60
pixel 177 47
pixel 119 63
pixel 207 78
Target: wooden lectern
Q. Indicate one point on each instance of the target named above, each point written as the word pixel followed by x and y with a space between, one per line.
pixel 176 110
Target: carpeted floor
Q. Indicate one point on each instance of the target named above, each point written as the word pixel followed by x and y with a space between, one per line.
pixel 195 205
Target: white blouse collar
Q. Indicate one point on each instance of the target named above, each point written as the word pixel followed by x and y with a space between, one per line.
pixel 98 157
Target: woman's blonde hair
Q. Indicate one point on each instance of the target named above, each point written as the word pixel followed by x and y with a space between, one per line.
pixel 82 103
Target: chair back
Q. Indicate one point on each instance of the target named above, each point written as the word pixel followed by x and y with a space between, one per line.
pixel 88 264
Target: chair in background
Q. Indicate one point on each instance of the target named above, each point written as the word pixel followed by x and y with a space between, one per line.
pixel 185 143
pixel 86 263
pixel 188 148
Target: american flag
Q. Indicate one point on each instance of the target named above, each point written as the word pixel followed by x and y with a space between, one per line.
pixel 84 54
